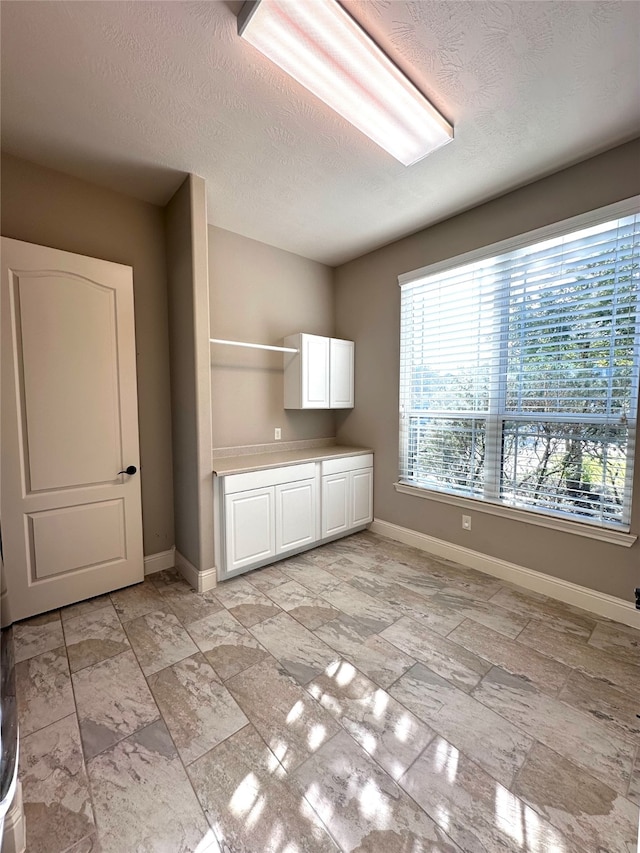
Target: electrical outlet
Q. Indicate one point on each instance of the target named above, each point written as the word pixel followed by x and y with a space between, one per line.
pixel 277 434
pixel 466 522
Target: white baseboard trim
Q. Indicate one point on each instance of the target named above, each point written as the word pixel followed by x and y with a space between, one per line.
pixel 580 596
pixel 157 562
pixel 200 581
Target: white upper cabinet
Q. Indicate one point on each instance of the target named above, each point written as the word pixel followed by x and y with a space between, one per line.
pixel 320 374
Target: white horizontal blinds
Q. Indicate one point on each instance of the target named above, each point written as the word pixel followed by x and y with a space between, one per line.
pixel 448 359
pixel 519 375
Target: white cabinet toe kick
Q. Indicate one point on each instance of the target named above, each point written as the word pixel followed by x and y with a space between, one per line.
pixel 266 515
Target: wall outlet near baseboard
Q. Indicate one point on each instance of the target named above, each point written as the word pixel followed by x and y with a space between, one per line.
pixel 277 434
pixel 638 598
pixel 466 522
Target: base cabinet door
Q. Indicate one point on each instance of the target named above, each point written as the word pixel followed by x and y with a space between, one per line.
pixel 249 527
pixel 361 496
pixel 335 504
pixel 295 515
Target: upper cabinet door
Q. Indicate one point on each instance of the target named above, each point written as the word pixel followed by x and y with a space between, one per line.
pixel 315 372
pixel 341 373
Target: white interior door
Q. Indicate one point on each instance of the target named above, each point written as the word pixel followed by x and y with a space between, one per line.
pixel 71 521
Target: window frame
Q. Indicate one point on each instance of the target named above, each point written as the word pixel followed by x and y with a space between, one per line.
pixel 496 415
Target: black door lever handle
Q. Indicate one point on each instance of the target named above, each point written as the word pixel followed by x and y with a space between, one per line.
pixel 131 470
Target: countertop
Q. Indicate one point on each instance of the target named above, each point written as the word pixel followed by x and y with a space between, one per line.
pixel 278 459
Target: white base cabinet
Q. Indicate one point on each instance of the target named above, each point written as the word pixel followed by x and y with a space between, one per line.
pixel 347 494
pixel 269 514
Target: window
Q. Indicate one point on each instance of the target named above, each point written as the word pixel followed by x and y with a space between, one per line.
pixel 519 373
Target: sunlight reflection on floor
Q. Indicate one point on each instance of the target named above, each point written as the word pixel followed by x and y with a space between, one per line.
pixel 524 826
pixel 208 844
pixel 447 760
pixel 295 712
pixel 316 737
pixel 245 795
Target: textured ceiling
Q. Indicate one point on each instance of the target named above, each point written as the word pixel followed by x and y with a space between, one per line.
pixel 131 95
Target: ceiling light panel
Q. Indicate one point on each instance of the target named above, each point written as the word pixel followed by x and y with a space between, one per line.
pixel 320 45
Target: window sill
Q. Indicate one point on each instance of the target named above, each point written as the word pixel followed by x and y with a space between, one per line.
pixel 603 534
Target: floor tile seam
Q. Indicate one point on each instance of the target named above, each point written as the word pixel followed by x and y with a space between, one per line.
pixel 88 613
pixel 573 667
pixel 359 616
pixel 301 582
pixel 445 639
pixel 509 788
pixel 492 663
pixel 527 732
pixel 585 771
pixel 108 657
pixel 219 683
pixel 432 737
pixel 186 772
pixel 74 714
pixel 187 764
pixel 297 788
pixel 523 646
pixel 82 750
pixel 153 698
pixel 549 819
pixel 26 661
pixel 435 725
pixel 635 764
pixel 287 777
pixel 313 630
pixel 204 653
pixel 124 622
pixel 614 656
pixel 25 734
pixel 414 657
pixel 178 756
pixel 478 767
pixel 84 837
pixel 614 727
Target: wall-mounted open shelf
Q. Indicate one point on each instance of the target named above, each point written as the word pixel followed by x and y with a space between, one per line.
pixel 250 346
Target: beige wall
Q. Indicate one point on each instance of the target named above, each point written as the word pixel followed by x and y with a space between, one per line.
pixel 188 289
pixel 260 294
pixel 52 209
pixel 367 311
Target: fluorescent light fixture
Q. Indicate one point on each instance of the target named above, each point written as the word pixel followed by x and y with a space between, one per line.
pixel 320 45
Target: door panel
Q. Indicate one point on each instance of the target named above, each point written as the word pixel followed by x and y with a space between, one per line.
pixel 72 538
pixel 295 515
pixel 361 496
pixel 71 524
pixel 341 374
pixel 249 527
pixel 335 504
pixel 315 372
pixel 67 353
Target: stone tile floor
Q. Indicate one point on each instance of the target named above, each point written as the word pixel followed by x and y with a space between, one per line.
pixel 361 697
